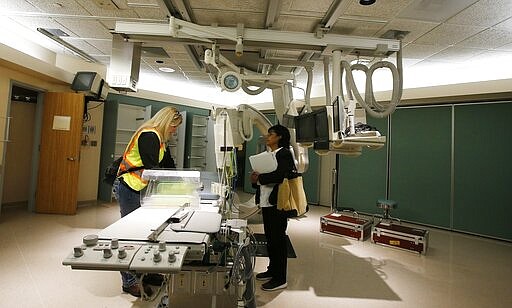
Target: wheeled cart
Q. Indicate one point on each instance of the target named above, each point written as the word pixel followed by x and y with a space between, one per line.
pixel 399 236
pixel 346 224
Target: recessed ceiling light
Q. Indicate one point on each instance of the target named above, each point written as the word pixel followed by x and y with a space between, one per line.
pixel 166 69
pixel 366 2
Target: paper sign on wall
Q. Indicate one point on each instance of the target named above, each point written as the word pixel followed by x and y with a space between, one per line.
pixel 61 122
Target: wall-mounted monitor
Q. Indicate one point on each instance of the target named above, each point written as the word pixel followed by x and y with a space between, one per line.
pixel 91 83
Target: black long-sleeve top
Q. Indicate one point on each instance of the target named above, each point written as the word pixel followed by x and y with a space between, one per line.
pixel 149 150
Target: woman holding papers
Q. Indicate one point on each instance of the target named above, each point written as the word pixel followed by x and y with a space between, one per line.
pixel 274 221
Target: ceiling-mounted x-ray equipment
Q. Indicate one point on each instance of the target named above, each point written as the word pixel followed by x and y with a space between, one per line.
pixel 340 111
pixel 231 77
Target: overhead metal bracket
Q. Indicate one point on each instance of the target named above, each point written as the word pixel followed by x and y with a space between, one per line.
pixel 182 29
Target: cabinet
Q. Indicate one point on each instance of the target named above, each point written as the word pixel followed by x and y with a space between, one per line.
pixel 129 118
pixel 198 142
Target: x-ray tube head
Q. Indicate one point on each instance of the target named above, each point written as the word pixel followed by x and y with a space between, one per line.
pixel 230 81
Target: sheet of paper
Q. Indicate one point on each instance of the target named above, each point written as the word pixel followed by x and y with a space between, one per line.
pixel 263 162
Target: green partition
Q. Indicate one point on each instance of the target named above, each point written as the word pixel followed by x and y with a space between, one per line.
pixel 362 179
pixel 311 178
pixel 420 164
pixel 483 169
pixel 107 145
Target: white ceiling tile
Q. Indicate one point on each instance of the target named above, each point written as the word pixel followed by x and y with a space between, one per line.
pixel 475 29
pixel 186 65
pixel 356 27
pixel 174 46
pixel 95 10
pixel 505 25
pixel 17 6
pixel 507 47
pixel 417 51
pixel 38 22
pixel 103 46
pixel 66 7
pixel 84 46
pixel 484 13
pixel 415 28
pixel 386 9
pixel 229 5
pixel 446 35
pixel 86 28
pixel 297 23
pixel 488 39
pixel 151 13
pixel 455 54
pixel 302 7
pixel 495 55
pixel 198 75
pixel 434 10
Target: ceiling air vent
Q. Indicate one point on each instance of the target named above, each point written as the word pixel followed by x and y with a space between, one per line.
pixel 124 65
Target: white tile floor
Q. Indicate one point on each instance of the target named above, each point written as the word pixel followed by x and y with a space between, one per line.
pixel 458 270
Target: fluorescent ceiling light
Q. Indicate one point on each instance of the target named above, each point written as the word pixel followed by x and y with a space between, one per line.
pixel 166 69
pixel 67 45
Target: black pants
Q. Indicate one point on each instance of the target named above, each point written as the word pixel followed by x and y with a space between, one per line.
pixel 275 223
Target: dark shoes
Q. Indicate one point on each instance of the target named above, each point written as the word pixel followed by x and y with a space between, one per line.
pixel 153 279
pixel 134 290
pixel 273 285
pixel 263 276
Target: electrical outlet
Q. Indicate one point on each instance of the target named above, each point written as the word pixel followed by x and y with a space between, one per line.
pixel 202 283
pixel 182 282
pixel 220 282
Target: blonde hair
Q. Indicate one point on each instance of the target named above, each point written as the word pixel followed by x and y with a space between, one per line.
pixel 162 119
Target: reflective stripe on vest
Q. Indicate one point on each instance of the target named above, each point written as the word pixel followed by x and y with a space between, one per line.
pixel 131 159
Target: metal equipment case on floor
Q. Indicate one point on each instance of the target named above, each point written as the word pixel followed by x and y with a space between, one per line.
pixel 399 236
pixel 346 224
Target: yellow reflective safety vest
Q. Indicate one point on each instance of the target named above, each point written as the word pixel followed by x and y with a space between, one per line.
pixel 131 160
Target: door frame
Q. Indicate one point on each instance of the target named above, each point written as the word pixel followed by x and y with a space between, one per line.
pixel 36 141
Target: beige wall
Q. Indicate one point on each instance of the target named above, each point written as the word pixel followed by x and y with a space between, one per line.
pixel 90 155
pixel 89 164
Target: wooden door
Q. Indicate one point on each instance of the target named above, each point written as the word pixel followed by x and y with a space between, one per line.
pixel 57 181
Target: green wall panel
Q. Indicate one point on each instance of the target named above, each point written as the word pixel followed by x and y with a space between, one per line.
pixel 483 169
pixel 420 177
pixel 311 177
pixel 107 145
pixel 362 179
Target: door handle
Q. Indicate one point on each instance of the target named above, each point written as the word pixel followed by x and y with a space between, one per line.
pixel 71 158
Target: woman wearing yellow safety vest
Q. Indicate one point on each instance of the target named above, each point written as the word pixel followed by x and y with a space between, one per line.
pixel 146 150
